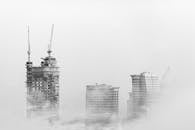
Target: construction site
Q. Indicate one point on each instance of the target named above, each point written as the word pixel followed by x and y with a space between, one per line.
pixel 42 84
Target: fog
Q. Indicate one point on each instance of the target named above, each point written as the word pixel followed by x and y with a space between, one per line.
pixel 100 42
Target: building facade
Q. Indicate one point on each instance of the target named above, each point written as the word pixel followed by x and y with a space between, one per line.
pixel 102 103
pixel 145 92
pixel 43 88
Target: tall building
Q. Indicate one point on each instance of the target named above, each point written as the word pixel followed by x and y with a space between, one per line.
pixel 102 103
pixel 42 86
pixel 145 92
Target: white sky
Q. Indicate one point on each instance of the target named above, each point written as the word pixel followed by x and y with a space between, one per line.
pixel 95 42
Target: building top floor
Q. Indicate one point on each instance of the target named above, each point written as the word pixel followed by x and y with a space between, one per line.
pixel 144 75
pixel 101 87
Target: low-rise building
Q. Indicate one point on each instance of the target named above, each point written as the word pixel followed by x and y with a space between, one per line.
pixel 102 103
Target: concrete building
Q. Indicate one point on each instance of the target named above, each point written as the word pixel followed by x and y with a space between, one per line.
pixel 42 87
pixel 145 92
pixel 102 103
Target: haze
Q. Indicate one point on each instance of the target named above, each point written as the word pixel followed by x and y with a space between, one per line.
pixel 95 42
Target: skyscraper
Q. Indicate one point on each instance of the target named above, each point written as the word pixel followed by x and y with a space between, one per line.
pixel 145 92
pixel 42 86
pixel 101 102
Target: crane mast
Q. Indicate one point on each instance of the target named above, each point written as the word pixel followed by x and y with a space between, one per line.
pixel 50 44
pixel 29 50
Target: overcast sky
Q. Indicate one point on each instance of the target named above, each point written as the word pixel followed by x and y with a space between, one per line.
pixel 100 41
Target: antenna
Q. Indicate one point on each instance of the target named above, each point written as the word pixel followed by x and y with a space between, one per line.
pixel 29 51
pixel 51 38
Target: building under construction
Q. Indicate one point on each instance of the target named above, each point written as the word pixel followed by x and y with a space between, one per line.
pixel 42 85
pixel 145 92
pixel 102 103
